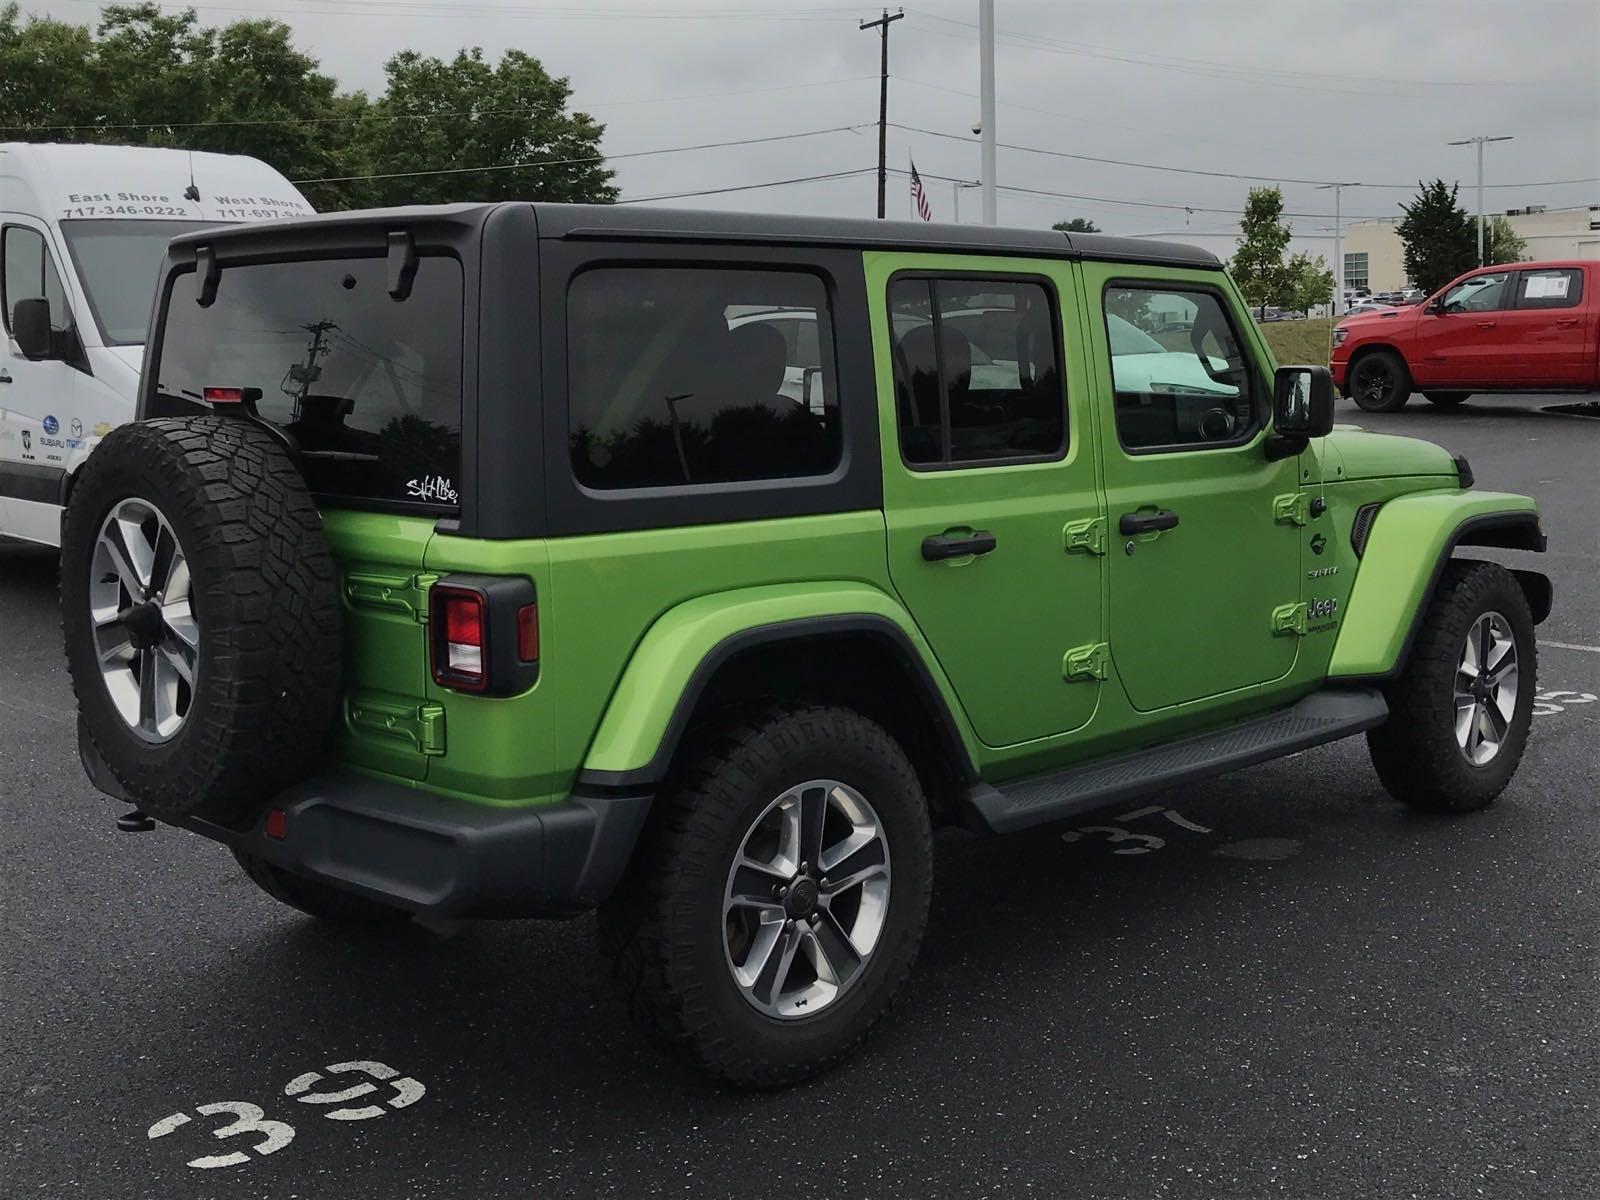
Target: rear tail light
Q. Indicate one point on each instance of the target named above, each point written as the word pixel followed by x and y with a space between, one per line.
pixel 483 634
pixel 223 395
pixel 461 636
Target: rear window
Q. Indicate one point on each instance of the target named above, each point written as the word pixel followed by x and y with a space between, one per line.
pixel 368 386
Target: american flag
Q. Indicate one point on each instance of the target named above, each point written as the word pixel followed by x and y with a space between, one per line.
pixel 919 198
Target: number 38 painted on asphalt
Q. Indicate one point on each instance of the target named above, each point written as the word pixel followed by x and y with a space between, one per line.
pixel 272 1136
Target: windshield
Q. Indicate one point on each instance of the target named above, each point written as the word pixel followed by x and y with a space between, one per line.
pixel 117 264
pixel 1128 338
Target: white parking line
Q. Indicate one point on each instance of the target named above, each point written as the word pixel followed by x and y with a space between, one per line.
pixel 1572 646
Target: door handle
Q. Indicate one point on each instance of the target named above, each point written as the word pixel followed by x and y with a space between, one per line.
pixel 5 375
pixel 1486 324
pixel 939 546
pixel 1566 320
pixel 1141 522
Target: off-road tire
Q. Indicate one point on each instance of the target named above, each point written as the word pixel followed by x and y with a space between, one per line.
pixel 1395 391
pixel 1415 752
pixel 264 593
pixel 1447 399
pixel 317 899
pixel 663 929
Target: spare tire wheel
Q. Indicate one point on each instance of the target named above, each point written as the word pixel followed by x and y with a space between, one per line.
pixel 200 607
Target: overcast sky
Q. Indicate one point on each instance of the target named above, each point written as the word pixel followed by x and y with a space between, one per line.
pixel 1337 89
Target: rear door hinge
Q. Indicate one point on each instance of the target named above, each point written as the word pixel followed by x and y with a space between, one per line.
pixel 401 718
pixel 1087 662
pixel 1292 508
pixel 1087 535
pixel 1289 619
pixel 391 592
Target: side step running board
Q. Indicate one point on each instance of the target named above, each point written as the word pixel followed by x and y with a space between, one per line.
pixel 1321 717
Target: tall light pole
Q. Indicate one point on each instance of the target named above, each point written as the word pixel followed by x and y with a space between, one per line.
pixel 955 194
pixel 1479 142
pixel 1338 243
pixel 986 102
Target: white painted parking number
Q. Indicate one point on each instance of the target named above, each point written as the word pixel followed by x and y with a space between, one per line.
pixel 1146 842
pixel 272 1136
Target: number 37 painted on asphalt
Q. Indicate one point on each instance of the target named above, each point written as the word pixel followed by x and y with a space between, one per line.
pixel 270 1136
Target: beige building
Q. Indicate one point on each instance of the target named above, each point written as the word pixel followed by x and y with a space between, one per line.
pixel 1374 257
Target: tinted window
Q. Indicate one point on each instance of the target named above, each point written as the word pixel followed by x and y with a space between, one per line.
pixel 370 387
pixel 693 375
pixel 1184 381
pixel 30 273
pixel 1554 288
pixel 118 262
pixel 977 371
pixel 1478 294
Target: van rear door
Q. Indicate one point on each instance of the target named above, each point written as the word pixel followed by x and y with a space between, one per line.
pixel 369 387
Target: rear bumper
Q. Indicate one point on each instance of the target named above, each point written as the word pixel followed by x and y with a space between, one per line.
pixel 435 855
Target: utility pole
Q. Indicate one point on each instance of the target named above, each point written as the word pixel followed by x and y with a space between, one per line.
pixel 882 24
pixel 1338 244
pixel 1479 142
pixel 986 103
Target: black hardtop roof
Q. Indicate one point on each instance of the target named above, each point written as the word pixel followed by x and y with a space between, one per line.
pixel 631 223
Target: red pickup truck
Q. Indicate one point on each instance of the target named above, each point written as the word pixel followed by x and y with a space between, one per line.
pixel 1523 327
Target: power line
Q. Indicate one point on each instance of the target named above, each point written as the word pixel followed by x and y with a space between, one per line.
pixel 462 112
pixel 561 162
pixel 1265 76
pixel 1190 208
pixel 748 187
pixel 1119 162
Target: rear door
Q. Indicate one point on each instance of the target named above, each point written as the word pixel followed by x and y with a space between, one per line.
pixel 1547 330
pixel 371 389
pixel 991 491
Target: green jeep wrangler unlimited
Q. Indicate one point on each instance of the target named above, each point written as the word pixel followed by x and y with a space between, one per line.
pixel 518 560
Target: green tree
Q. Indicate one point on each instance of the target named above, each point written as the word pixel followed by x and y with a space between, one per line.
pixel 1310 282
pixel 147 77
pixel 1501 243
pixel 1440 242
pixel 458 115
pixel 1257 266
pixel 1077 225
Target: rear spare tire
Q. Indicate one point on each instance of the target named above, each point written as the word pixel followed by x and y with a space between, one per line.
pixel 200 608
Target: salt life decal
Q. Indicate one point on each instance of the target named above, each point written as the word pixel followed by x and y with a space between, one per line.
pixel 432 487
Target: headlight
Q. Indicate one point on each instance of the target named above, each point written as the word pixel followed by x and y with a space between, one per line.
pixel 1339 334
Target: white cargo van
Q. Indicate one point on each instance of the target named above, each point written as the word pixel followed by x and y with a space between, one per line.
pixel 82 232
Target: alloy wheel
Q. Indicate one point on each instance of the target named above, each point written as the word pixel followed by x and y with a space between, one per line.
pixel 806 899
pixel 1486 688
pixel 140 606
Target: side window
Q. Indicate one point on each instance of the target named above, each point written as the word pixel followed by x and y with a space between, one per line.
pixel 977 371
pixel 1481 293
pixel 694 375
pixel 30 273
pixel 1558 287
pixel 1179 371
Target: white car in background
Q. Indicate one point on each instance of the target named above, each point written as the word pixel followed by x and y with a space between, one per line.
pixel 82 232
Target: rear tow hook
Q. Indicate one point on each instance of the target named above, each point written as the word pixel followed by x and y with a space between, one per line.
pixel 135 821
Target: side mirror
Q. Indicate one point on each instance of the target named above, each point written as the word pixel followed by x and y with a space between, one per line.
pixel 30 326
pixel 1302 402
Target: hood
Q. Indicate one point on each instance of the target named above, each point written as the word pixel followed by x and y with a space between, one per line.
pixel 1374 320
pixel 1367 455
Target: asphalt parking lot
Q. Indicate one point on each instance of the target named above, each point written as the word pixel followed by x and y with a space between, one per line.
pixel 1285 986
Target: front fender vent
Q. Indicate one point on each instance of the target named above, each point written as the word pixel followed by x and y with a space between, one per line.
pixel 1362 527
